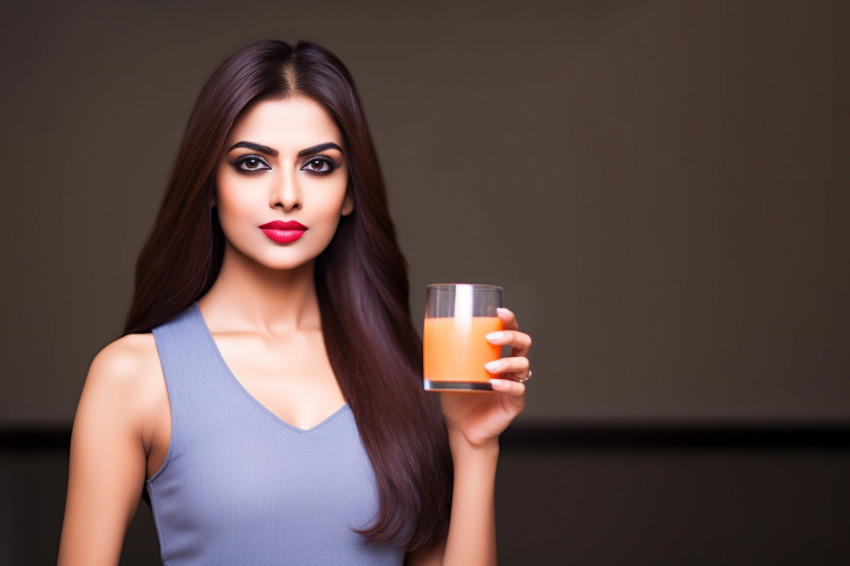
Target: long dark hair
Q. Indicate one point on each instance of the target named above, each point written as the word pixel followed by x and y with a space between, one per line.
pixel 361 280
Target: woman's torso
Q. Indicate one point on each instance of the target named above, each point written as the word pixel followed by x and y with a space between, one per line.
pixel 229 476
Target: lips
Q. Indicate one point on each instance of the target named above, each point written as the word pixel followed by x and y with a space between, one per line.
pixel 283 232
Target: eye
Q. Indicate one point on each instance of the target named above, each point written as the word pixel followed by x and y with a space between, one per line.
pixel 320 164
pixel 251 163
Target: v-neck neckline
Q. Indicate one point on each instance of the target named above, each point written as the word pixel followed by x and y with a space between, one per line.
pixel 202 323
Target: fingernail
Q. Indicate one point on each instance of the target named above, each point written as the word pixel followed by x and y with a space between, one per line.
pixel 498 382
pixel 493 366
pixel 494 336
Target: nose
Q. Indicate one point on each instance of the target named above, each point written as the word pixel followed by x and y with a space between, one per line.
pixel 285 193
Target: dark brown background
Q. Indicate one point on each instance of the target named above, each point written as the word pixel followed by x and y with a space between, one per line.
pixel 661 188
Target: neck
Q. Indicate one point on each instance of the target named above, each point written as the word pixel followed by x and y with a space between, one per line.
pixel 249 296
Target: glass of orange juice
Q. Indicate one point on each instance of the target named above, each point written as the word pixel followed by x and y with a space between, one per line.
pixel 458 316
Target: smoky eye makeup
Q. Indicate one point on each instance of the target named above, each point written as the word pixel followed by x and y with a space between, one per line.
pixel 317 163
pixel 320 165
pixel 313 161
pixel 250 163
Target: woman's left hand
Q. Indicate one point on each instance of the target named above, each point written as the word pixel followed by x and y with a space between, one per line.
pixel 479 418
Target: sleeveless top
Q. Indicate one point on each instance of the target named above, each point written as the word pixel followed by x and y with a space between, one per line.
pixel 241 486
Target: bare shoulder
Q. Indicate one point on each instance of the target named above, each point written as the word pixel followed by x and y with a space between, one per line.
pixel 124 357
pixel 128 372
pixel 129 362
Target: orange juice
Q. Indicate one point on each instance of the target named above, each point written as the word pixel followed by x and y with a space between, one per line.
pixel 455 348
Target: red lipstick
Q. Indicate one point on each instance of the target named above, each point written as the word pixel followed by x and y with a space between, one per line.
pixel 283 232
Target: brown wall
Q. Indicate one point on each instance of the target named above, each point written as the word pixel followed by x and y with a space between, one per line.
pixel 661 187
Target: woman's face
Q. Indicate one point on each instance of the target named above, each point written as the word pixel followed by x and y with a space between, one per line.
pixel 281 183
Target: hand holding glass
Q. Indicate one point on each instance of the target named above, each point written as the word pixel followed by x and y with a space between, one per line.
pixel 458 318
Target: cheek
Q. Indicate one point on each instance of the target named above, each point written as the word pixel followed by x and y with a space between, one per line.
pixel 230 200
pixel 324 197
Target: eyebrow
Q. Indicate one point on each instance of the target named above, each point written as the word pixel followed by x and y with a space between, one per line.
pixel 255 146
pixel 319 148
pixel 274 153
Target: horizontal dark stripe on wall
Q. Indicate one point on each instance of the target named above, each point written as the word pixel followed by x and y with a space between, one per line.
pixel 582 436
pixel 35 439
pixel 678 435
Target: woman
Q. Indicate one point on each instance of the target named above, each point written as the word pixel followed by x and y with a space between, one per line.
pixel 267 391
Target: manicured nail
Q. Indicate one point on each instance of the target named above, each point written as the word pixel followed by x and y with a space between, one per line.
pixel 498 382
pixel 493 366
pixel 495 336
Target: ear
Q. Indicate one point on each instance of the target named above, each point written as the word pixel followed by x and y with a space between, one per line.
pixel 347 205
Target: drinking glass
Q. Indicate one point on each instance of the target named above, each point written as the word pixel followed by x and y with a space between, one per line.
pixel 458 316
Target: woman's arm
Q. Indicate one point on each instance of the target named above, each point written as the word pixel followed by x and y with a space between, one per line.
pixel 108 453
pixel 475 422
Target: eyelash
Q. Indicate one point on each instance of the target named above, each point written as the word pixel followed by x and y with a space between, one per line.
pixel 241 161
pixel 263 165
pixel 324 160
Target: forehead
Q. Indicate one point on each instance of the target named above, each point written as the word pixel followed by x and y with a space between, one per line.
pixel 290 123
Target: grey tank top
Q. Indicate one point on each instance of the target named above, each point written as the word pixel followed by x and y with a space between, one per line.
pixel 239 486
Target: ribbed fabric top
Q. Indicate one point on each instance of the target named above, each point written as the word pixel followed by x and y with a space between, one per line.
pixel 240 486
